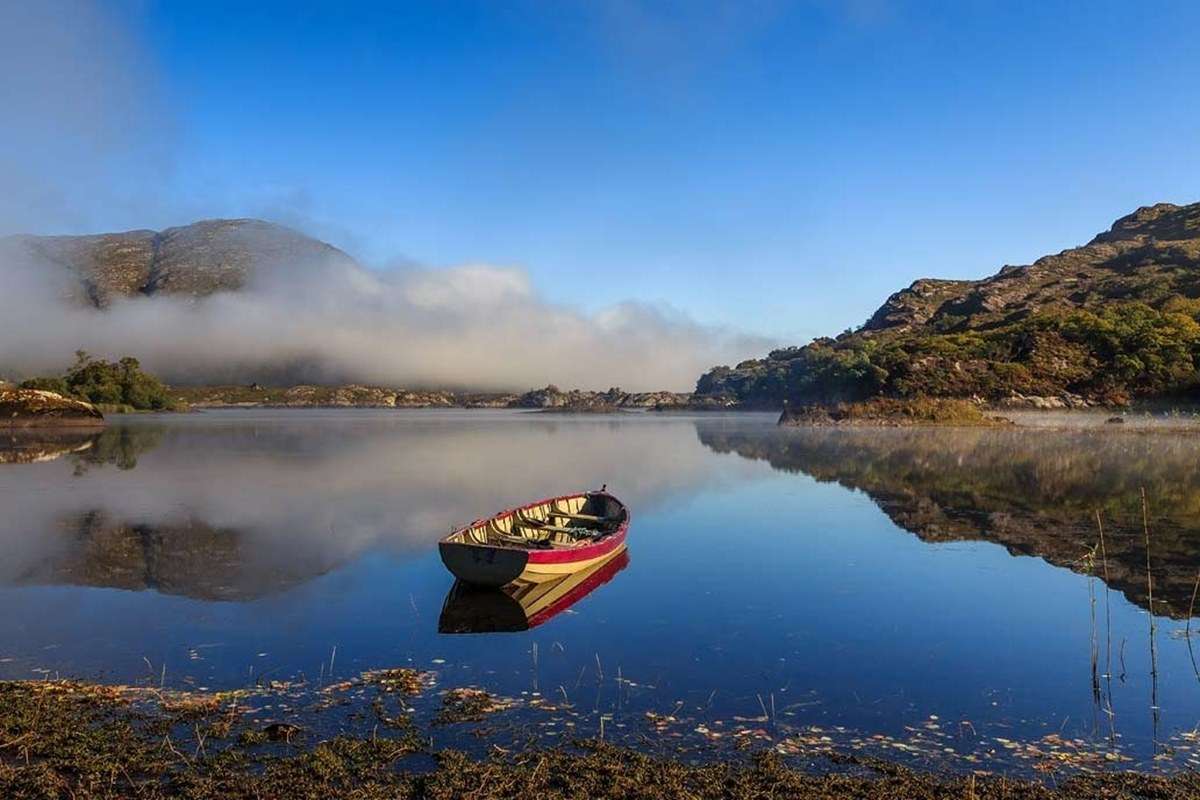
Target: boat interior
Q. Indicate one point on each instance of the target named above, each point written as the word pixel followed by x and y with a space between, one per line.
pixel 563 522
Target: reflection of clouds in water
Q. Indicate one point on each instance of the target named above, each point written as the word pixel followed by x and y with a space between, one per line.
pixel 305 491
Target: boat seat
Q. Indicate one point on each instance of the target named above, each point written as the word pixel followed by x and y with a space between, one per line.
pixel 524 541
pixel 547 528
pixel 584 517
pixel 557 529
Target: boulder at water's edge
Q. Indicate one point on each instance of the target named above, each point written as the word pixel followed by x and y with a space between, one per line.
pixel 27 408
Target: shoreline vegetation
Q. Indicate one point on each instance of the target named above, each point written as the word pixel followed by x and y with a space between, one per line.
pixel 61 738
pixel 887 411
pixel 94 388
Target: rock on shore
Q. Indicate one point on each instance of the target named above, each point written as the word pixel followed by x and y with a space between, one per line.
pixel 27 408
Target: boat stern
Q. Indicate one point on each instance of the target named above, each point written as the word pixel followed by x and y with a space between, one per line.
pixel 483 566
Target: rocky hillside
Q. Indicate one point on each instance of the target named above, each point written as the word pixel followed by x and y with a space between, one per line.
pixel 192 260
pixel 307 396
pixel 1108 322
pixel 551 397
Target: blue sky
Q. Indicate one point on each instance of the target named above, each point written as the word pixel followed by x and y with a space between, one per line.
pixel 775 167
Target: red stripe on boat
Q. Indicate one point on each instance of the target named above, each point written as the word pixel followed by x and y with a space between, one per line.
pixel 585 553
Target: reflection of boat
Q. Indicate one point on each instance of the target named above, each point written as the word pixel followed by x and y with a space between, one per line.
pixel 550 537
pixel 523 603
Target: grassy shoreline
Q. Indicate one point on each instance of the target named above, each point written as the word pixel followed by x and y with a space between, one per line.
pixel 82 740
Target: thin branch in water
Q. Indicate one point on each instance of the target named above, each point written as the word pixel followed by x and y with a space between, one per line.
pixel 1089 562
pixel 1112 724
pixel 1107 610
pixel 1192 605
pixel 1153 628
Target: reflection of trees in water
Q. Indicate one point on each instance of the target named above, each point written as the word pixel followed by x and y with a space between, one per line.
pixel 1035 493
pixel 119 446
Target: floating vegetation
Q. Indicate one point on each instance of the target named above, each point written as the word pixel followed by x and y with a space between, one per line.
pixel 399 680
pixel 469 704
pixel 403 680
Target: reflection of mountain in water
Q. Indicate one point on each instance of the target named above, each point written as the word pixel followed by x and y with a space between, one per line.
pixel 186 557
pixel 189 558
pixel 1035 493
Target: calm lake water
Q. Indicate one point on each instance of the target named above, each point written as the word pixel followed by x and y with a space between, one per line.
pixel 941 591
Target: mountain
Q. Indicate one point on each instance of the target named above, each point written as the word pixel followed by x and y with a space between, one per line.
pixel 193 260
pixel 1106 323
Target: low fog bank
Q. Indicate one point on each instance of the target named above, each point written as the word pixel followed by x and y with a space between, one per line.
pixel 333 321
pixel 88 148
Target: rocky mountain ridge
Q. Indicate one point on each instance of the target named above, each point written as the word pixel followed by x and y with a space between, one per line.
pixel 1107 322
pixel 191 260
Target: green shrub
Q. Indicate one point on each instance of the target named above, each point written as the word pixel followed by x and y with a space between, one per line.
pixel 120 383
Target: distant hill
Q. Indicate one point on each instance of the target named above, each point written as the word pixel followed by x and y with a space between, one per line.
pixel 193 260
pixel 1109 322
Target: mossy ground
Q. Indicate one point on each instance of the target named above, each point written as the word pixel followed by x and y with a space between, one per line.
pixel 66 739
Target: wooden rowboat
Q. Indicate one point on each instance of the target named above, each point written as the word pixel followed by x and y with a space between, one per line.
pixel 538 541
pixel 523 604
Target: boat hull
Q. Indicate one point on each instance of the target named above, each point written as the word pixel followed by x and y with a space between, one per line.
pixel 497 565
pixel 483 566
